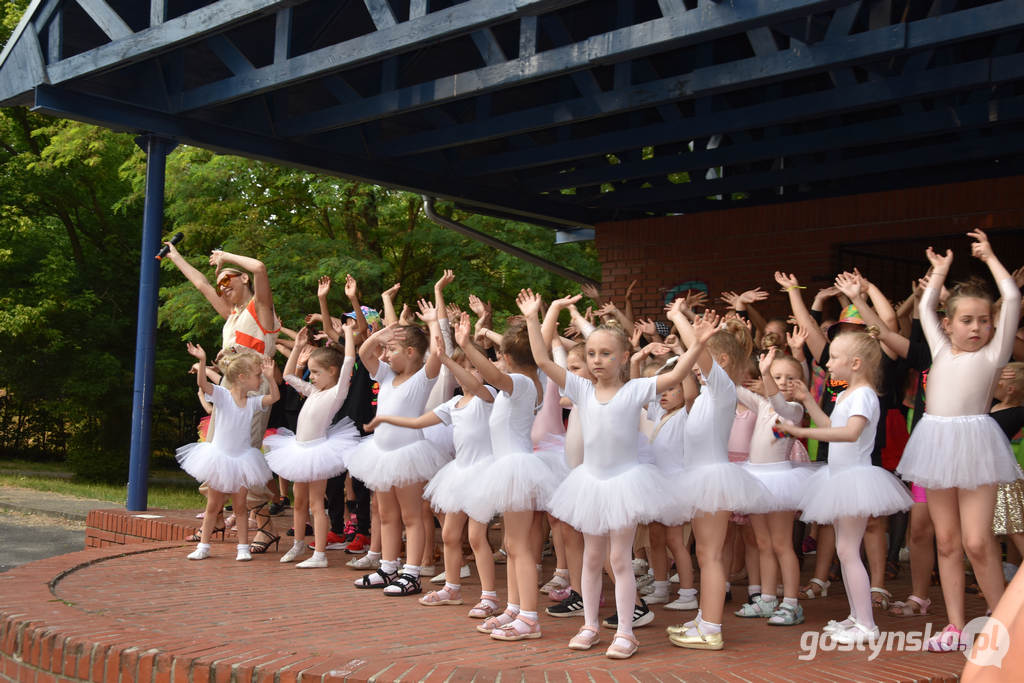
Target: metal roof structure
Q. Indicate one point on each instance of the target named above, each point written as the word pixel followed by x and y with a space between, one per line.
pixel 558 112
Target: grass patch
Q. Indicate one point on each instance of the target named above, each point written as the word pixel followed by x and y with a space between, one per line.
pixel 32 466
pixel 160 496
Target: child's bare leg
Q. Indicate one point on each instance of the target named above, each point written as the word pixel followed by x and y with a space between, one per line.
pixel 876 549
pixel 321 523
pixel 557 541
pixel 657 554
pixel 410 502
pixel 780 525
pixel 451 537
pixel 759 524
pixel 681 555
pixel 574 556
pixel 214 503
pixel 976 512
pixel 944 508
pixel 520 535
pixel 300 509
pixel 427 557
pixel 483 554
pixel 921 543
pixel 710 532
pixel 751 558
pixel 376 534
pixel 390 524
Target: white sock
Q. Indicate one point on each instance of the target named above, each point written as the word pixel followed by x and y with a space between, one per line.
pixel 753 589
pixel 453 587
pixel 564 573
pixel 319 556
pixel 661 588
pixel 707 628
pixel 202 546
pixel 389 566
pixel 513 608
pixel 532 616
pixel 372 555
pixel 489 596
pixel 411 570
pixel 687 593
pixel 298 543
pixel 790 602
pixel 242 546
pixel 728 586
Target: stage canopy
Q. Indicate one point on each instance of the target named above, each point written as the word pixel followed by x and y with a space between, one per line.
pixel 558 112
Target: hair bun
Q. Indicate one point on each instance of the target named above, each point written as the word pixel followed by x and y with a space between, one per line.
pixel 873 331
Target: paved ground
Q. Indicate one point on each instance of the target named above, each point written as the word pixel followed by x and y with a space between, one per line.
pixel 29 537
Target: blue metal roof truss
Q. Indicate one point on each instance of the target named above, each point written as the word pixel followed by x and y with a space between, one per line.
pixel 558 112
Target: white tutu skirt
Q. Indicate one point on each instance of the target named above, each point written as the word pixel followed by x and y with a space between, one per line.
pixel 221 471
pixel 719 486
pixel 965 452
pixel 380 470
pixel 852 491
pixel 785 482
pixel 454 487
pixel 512 482
pixel 442 436
pixel 316 460
pixel 597 502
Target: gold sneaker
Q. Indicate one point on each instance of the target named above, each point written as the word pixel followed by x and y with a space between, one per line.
pixel 680 629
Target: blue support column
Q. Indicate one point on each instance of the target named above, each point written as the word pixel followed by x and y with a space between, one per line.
pixel 157 149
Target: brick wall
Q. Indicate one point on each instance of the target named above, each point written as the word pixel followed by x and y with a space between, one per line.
pixel 739 249
pixel 121 527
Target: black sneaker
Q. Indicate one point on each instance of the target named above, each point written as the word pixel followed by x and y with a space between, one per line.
pixel 572 606
pixel 279 505
pixel 642 615
pixel 309 531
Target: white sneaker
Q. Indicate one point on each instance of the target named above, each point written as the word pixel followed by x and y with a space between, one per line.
pixel 427 570
pixel 674 578
pixel 364 562
pixel 243 554
pixel 856 635
pixel 438 578
pixel 680 604
pixel 644 580
pixel 294 553
pixel 656 598
pixel 639 566
pixel 199 554
pixel 313 563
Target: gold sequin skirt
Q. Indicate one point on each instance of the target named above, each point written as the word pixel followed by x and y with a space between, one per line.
pixel 1009 512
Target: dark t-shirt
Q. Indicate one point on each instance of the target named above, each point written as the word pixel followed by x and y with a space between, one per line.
pixel 1010 420
pixel 361 403
pixel 285 412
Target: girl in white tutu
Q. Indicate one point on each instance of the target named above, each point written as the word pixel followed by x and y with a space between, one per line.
pixel 849 489
pixel 957 452
pixel 229 464
pixel 316 451
pixel 716 488
pixel 607 495
pixel 449 491
pixel 518 482
pixel 772 522
pixel 396 463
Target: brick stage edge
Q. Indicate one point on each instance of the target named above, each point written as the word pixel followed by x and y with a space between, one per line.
pixel 136 610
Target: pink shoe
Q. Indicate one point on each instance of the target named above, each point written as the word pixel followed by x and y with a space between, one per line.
pixel 521 628
pixel 559 594
pixel 484 609
pixel 949 639
pixel 503 619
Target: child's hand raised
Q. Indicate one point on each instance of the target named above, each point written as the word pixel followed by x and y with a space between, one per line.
pixel 268 367
pixel 196 351
pixel 216 258
pixel 695 298
pixel 446 279
pixel 1018 277
pixel 591 292
pixel 528 302
pixel 797 338
pixel 463 329
pixel 849 284
pixel 706 325
pixel 787 281
pixel 566 301
pixel 390 292
pixel 405 317
pixel 479 307
pixel 765 362
pixel 940 264
pixel 452 310
pixel 323 286
pixel 638 332
pixel 799 390
pixel 351 287
pixel 753 295
pixel 428 313
pixel 439 348
pixel 981 248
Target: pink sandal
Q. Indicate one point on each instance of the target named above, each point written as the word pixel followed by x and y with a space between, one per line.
pixel 484 609
pixel 618 652
pixel 913 606
pixel 503 619
pixel 511 632
pixel 442 597
pixel 582 641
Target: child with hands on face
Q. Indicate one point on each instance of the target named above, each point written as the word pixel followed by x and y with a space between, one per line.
pixel 228 463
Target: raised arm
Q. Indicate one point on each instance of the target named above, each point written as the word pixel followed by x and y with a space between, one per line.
pixel 1001 345
pixel 930 324
pixel 529 303
pixel 636 360
pixel 428 314
pixel 816 340
pixel 703 327
pixel 322 290
pixel 301 342
pixel 550 326
pixel 197 352
pixel 469 382
pixel 628 305
pixel 352 292
pixel 268 372
pixel 893 343
pixel 689 335
pixel 198 281
pixel 369 352
pixel 582 324
pixel 801 394
pixel 388 299
pixel 263 296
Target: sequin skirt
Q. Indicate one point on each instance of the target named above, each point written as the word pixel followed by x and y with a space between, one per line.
pixel 1009 512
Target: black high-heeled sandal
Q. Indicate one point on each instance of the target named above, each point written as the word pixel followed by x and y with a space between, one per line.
pixel 222 529
pixel 257 547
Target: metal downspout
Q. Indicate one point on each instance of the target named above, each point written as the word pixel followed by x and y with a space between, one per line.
pixel 561 271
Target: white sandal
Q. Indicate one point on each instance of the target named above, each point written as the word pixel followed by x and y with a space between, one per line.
pixel 808 592
pixel 880 597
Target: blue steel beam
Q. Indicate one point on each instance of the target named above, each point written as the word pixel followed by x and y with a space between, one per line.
pixel 219 138
pixel 867 95
pixel 840 50
pixel 942 152
pixel 673 31
pixel 890 129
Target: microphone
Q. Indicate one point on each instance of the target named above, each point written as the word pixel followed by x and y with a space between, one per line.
pixel 164 250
